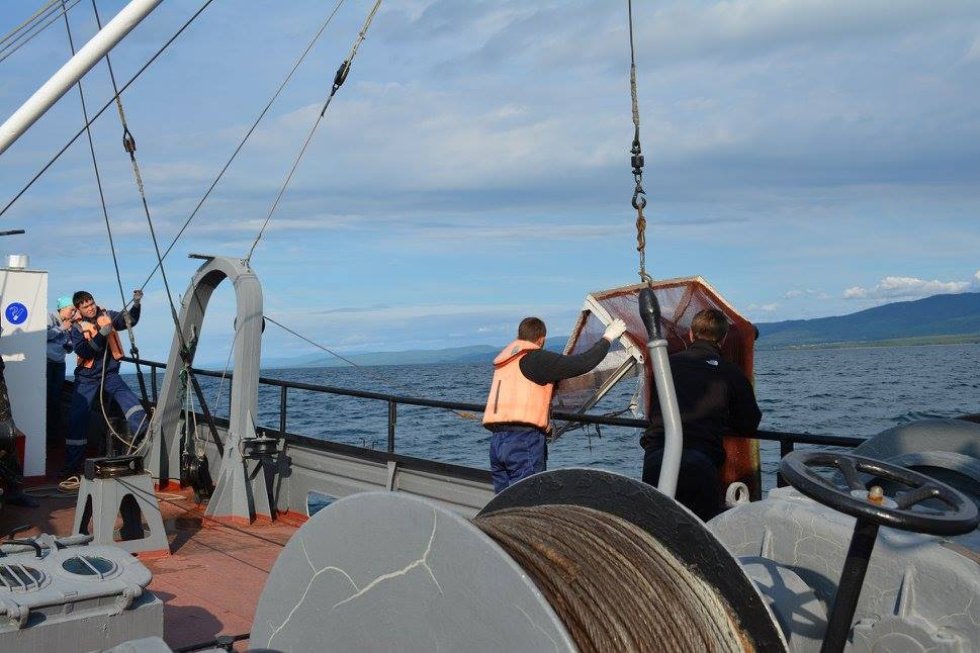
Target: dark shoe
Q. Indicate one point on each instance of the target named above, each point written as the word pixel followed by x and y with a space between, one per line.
pixel 20 499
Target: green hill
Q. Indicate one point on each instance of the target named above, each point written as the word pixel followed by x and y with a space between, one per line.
pixel 940 318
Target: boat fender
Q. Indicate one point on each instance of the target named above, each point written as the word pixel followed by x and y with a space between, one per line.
pixel 736 494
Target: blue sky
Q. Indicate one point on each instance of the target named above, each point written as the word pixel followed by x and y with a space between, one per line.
pixel 809 158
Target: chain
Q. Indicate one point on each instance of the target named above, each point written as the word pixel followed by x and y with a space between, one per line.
pixel 636 160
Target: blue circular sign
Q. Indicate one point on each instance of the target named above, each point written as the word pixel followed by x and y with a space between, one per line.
pixel 16 313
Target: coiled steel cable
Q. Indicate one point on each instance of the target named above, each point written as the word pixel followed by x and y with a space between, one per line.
pixel 612 584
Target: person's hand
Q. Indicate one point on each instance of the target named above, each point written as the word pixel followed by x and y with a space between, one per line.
pixel 106 329
pixel 137 296
pixel 615 329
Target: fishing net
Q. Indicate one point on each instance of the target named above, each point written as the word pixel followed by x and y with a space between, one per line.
pixel 680 300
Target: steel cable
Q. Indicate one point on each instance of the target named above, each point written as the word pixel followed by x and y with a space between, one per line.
pixel 613 585
pixel 338 81
pixel 248 134
pixel 27 36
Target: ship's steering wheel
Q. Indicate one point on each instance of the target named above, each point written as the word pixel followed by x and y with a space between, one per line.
pixel 959 513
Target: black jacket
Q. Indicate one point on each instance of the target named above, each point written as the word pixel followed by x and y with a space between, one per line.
pixel 713 396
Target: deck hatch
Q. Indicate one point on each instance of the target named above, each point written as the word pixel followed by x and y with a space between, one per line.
pixel 19 578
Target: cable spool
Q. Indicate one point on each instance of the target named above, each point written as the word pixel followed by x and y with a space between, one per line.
pixel 614 587
pixel 388 571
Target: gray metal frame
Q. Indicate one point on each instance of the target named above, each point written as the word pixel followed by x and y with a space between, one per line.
pixel 236 496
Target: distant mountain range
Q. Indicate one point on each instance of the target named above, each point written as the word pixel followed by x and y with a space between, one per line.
pixel 940 318
pixel 936 319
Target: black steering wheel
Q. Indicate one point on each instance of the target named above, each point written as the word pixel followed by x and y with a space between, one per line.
pixel 959 516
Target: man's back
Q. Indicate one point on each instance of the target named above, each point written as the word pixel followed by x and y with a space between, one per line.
pixel 713 397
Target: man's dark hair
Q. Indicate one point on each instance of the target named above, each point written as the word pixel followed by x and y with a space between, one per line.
pixel 530 329
pixel 81 297
pixel 709 324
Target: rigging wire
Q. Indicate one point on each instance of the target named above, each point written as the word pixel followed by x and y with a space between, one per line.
pixel 129 144
pixel 379 377
pixel 134 350
pixel 639 201
pixel 248 134
pixel 105 106
pixel 28 36
pixel 95 164
pixel 338 81
pixel 44 8
pixel 130 444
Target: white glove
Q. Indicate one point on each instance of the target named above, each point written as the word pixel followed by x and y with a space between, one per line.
pixel 106 329
pixel 615 329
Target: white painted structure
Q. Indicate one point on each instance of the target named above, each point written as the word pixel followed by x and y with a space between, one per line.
pixel 23 345
pixel 74 69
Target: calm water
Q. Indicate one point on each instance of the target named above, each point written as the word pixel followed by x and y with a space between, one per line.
pixel 857 392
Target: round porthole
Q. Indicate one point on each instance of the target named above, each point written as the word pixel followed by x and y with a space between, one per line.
pixel 88 566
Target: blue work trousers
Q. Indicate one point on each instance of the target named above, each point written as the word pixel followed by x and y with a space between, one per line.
pixel 516 453
pixel 81 406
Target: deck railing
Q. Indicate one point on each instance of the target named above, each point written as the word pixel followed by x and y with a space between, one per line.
pixel 787 440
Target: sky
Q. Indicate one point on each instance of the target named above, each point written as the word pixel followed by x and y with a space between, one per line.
pixel 808 158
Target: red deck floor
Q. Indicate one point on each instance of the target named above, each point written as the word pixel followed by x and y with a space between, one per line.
pixel 211 582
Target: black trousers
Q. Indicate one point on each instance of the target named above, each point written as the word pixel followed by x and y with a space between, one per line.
pixel 698 482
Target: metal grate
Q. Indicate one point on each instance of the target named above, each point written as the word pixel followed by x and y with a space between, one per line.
pixel 18 578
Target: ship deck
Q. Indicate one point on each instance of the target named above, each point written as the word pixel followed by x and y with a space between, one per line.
pixel 211 581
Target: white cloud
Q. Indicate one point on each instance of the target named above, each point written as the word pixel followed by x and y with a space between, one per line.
pixel 906 288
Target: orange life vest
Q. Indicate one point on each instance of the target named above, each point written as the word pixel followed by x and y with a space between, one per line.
pixel 514 398
pixel 89 330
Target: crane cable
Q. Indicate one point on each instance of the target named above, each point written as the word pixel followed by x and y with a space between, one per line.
pixel 639 200
pixel 338 81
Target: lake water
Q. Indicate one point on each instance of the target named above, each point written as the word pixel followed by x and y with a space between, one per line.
pixel 854 392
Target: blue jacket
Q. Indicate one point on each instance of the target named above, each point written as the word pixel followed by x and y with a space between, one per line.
pixel 96 347
pixel 59 342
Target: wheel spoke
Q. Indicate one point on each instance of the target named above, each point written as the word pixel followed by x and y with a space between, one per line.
pixel 846 467
pixel 909 499
pixel 823 480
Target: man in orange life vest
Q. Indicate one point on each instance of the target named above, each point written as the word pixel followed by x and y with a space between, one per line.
pixel 519 406
pixel 97 345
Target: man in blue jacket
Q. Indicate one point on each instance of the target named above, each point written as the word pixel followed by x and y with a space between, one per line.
pixel 95 341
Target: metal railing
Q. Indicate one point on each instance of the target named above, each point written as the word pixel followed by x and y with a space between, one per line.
pixel 787 440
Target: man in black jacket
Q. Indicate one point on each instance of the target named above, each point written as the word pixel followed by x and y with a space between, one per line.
pixel 714 397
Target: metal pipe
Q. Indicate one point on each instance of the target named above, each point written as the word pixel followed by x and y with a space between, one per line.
pixel 849 588
pixel 673 435
pixel 73 70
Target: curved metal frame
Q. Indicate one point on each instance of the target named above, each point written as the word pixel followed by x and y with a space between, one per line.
pixel 236 496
